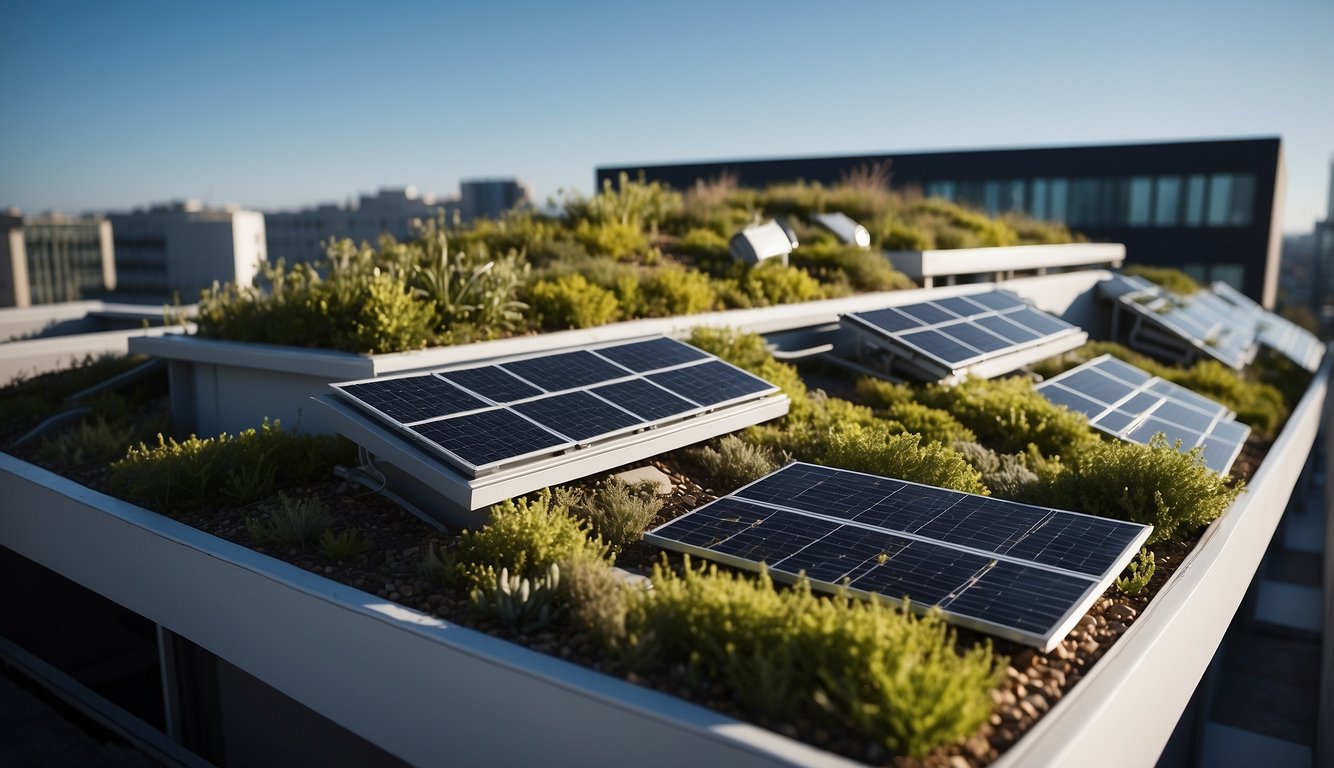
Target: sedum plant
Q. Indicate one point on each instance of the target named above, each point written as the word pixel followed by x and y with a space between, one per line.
pixel 617 512
pixel 519 602
pixel 91 440
pixel 295 523
pixel 526 536
pixel 1009 415
pixel 732 462
pixel 1138 574
pixel 571 301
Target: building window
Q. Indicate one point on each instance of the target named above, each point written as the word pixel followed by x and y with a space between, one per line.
pixel 1232 274
pixel 1220 196
pixel 1195 190
pixel 1060 191
pixel 1012 195
pixel 1141 201
pixel 1167 203
pixel 1084 202
pixel 943 188
pixel 1038 205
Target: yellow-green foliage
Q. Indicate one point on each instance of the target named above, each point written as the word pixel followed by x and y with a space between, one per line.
pixel 1137 574
pixel 294 523
pixel 92 440
pixel 774 283
pixel 199 472
pixel 789 654
pixel 881 395
pixel 633 204
pixel 930 423
pixel 1154 484
pixel 859 269
pixel 876 448
pixel 1169 278
pixel 674 290
pixel 572 302
pixel 616 511
pixel 703 243
pixel 1009 415
pixel 526 536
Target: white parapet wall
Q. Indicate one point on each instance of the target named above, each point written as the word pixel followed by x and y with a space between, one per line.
pixel 1001 263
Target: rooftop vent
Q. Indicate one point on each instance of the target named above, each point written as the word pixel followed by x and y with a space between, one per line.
pixel 844 228
pixel 769 240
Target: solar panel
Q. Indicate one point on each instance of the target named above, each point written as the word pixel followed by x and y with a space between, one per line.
pixel 946 337
pixel 1275 331
pixel 481 418
pixel 1021 572
pixel 1133 405
pixel 1198 322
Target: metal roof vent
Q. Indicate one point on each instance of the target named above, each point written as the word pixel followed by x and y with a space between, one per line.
pixel 844 228
pixel 762 242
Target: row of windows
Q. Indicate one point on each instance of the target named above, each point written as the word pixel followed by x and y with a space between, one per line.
pixel 1194 200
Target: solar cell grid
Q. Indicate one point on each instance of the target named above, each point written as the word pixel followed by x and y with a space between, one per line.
pixel 531 407
pixel 1101 389
pixel 972 555
pixel 1196 320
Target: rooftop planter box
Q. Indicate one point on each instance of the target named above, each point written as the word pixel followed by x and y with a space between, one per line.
pixel 226 386
pixel 420 688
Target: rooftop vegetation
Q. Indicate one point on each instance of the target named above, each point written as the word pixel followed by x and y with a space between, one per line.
pixel 632 250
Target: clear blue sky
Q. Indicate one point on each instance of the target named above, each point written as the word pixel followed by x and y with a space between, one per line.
pixel 271 105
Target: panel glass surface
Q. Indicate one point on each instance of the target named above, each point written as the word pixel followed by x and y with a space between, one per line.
pixel 1018 570
pixel 961 331
pixel 1275 331
pixel 1199 320
pixel 1124 401
pixel 414 398
pixel 553 402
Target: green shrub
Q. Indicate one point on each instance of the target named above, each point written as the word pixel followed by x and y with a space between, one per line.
pixel 614 239
pixel 526 536
pixel 774 283
pixel 930 423
pixel 618 512
pixel 633 204
pixel 789 655
pixel 1009 415
pixel 1155 484
pixel 471 291
pixel 858 268
pixel 344 545
pixel 91 441
pixel 875 449
pixel 295 523
pixel 732 462
pixel 882 395
pixel 572 302
pixel 199 472
pixel 674 290
pixel 704 244
pixel 597 600
pixel 1169 278
pixel 1138 574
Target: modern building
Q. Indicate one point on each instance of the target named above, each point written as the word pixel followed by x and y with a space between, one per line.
pixel 491 198
pixel 299 236
pixel 1211 208
pixel 54 258
pixel 175 250
pixel 1322 290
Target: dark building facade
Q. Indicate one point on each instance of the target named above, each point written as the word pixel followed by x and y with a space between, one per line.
pixel 1211 208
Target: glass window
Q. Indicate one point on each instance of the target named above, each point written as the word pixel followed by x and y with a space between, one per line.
pixel 1196 272
pixel 1038 202
pixel 1057 209
pixel 1084 202
pixel 1012 195
pixel 1232 274
pixel 970 193
pixel 1243 200
pixel 1220 198
pixel 1140 203
pixel 991 193
pixel 1167 203
pixel 1195 190
pixel 941 188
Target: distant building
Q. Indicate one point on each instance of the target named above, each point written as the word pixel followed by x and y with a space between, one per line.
pixel 297 236
pixel 1322 290
pixel 180 248
pixel 1210 208
pixel 54 258
pixel 491 198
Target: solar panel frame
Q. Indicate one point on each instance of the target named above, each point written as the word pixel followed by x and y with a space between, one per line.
pixel 604 365
pixel 870 557
pixel 1275 331
pixel 958 332
pixel 1152 405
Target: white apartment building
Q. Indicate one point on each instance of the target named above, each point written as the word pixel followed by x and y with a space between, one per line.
pixel 180 248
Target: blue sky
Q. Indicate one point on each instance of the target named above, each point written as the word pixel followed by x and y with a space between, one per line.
pixel 271 105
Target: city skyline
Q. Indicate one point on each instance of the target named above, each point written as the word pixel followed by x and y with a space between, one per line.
pixel 281 108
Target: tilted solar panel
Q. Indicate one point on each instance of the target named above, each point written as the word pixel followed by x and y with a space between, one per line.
pixel 1198 321
pixel 1021 572
pixel 483 417
pixel 1129 403
pixel 946 337
pixel 1275 331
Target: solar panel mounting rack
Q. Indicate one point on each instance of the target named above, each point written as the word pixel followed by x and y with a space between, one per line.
pixel 1176 328
pixel 453 441
pixel 981 334
pixel 1012 570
